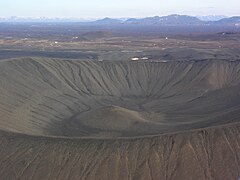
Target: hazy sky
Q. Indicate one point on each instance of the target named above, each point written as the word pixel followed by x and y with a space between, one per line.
pixel 116 8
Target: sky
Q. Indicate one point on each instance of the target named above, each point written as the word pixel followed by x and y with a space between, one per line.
pixel 116 8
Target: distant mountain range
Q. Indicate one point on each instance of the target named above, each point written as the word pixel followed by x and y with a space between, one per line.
pixel 108 21
pixel 171 20
pixel 166 20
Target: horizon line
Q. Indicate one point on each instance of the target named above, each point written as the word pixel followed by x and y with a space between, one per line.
pixel 111 17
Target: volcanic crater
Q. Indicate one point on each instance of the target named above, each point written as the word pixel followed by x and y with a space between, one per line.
pixel 120 99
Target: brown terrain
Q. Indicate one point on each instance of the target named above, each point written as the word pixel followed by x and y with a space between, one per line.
pixel 115 103
pixel 83 119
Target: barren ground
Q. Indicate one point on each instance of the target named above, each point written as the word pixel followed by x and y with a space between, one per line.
pixel 82 109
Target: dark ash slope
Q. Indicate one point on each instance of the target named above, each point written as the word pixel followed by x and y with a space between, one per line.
pixel 129 120
pixel 210 154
